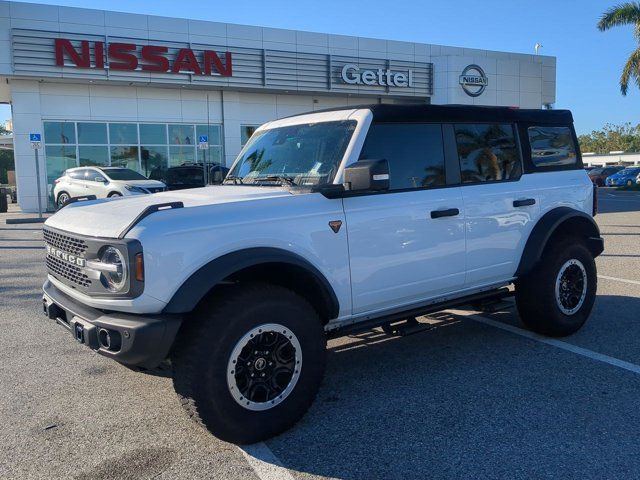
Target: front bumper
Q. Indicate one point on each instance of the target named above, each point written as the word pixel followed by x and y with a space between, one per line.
pixel 133 340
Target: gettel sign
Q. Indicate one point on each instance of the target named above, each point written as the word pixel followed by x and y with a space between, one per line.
pixel 148 58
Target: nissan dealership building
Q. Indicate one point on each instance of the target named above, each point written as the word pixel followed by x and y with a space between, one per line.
pixel 109 88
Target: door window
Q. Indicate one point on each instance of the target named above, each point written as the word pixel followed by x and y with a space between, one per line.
pixel 414 151
pixel 487 153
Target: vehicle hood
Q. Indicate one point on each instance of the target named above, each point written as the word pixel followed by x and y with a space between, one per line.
pixel 110 217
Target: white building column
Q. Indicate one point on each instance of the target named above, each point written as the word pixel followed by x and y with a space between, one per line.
pixel 27 118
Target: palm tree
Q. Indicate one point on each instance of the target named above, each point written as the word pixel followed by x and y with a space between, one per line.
pixel 625 14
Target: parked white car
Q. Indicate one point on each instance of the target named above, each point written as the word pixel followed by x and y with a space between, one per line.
pixel 103 182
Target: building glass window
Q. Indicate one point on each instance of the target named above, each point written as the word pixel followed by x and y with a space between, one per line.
pixel 60 132
pixel 487 153
pixel 125 157
pixel 149 148
pixel 414 151
pixel 123 133
pixel 93 155
pixel 552 146
pixel 153 134
pixel 181 135
pixel 245 133
pixel 92 133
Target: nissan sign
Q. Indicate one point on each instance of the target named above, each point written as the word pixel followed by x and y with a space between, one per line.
pixel 473 80
pixel 352 75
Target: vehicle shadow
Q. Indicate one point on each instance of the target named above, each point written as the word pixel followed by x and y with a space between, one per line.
pixel 465 400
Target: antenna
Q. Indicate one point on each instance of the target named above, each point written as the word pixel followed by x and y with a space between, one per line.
pixel 537 47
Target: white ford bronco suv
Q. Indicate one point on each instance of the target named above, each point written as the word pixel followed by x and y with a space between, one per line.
pixel 327 223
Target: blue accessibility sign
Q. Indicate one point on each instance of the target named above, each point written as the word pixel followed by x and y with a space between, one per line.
pixel 35 137
pixel 203 139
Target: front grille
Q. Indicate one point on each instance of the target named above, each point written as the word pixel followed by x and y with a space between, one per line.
pixel 69 244
pixel 63 269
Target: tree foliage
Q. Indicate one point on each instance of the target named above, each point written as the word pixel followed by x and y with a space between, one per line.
pixel 627 13
pixel 612 138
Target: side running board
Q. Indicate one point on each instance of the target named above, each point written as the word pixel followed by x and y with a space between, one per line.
pixel 148 211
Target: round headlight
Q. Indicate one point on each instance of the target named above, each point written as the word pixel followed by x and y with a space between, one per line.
pixel 116 279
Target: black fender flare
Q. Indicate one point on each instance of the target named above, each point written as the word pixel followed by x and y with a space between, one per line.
pixel 208 276
pixel 548 225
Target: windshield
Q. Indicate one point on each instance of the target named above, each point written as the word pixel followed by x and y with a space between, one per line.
pixel 185 175
pixel 629 171
pixel 307 154
pixel 123 174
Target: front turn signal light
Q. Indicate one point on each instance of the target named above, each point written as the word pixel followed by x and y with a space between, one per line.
pixel 139 267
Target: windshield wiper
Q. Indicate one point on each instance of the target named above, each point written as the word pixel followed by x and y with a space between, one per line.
pixel 278 178
pixel 234 178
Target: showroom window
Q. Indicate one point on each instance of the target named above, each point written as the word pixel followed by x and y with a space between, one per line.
pixel 148 148
pixel 245 133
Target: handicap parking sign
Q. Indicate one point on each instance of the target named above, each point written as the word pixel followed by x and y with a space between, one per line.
pixel 203 139
pixel 35 137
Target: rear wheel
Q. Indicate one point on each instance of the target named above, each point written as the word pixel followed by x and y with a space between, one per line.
pixel 557 297
pixel 63 197
pixel 250 362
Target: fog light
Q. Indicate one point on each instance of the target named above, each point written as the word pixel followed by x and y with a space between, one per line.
pixel 110 339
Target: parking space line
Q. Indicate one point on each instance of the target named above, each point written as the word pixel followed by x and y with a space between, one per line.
pixel 616 279
pixel 599 357
pixel 265 463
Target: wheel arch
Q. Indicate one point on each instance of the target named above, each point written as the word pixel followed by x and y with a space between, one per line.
pixel 558 222
pixel 262 264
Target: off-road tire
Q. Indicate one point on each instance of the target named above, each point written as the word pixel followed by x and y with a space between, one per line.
pixel 203 350
pixel 536 299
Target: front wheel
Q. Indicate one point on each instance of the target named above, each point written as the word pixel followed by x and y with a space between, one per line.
pixel 629 183
pixel 250 362
pixel 557 297
pixel 114 194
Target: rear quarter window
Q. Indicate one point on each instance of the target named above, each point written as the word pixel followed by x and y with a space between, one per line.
pixel 552 147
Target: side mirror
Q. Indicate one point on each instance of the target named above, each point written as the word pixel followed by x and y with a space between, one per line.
pixel 100 179
pixel 367 175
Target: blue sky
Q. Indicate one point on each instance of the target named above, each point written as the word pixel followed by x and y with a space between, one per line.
pixel 589 62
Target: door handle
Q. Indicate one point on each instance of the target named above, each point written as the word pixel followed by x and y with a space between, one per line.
pixel 524 203
pixel 450 212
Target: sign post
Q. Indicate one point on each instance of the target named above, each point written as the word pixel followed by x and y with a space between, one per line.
pixel 203 144
pixel 36 144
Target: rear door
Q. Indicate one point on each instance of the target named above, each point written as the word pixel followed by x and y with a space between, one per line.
pixel 407 244
pixel 500 209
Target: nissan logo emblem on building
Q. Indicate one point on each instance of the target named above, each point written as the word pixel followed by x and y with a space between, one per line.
pixel 473 80
pixel 352 75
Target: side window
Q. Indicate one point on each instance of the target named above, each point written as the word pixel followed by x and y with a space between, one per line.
pixel 487 152
pixel 414 151
pixel 552 146
pixel 78 174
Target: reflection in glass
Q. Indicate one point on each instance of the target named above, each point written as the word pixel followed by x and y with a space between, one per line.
pixel 487 152
pixel 245 133
pixel 153 133
pixel 123 133
pixel 551 146
pixel 92 133
pixel 181 155
pixel 93 156
pixel 212 132
pixel 59 132
pixel 414 151
pixel 59 159
pixel 181 135
pixel 154 162
pixel 125 157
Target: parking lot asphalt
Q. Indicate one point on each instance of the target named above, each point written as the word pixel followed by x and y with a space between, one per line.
pixel 463 399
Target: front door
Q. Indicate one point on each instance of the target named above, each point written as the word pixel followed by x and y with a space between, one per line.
pixel 406 245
